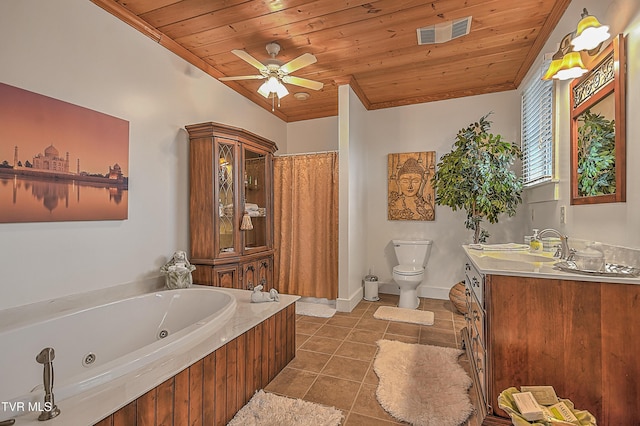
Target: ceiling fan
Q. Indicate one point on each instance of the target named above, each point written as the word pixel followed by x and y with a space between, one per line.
pixel 276 72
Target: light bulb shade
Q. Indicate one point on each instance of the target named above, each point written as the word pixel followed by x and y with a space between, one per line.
pixel 264 90
pixel 589 34
pixel 281 91
pixel 272 84
pixel 571 67
pixel 554 66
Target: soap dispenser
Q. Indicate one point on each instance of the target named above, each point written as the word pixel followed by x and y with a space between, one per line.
pixel 535 246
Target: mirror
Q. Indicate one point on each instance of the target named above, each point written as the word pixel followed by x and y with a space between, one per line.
pixel 598 169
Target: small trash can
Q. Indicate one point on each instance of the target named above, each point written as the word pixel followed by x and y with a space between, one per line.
pixel 371 288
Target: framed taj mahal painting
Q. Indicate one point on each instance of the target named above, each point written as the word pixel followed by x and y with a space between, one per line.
pixel 410 195
pixel 59 161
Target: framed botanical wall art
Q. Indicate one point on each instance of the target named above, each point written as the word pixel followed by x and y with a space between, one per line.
pixel 410 195
pixel 59 161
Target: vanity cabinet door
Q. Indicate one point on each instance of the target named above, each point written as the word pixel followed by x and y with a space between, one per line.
pixel 249 276
pixel 265 272
pixel 258 272
pixel 226 276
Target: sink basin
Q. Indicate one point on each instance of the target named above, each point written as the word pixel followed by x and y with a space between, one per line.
pixel 521 257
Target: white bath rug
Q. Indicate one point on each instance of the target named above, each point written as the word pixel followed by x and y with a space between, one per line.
pixel 413 316
pixel 268 409
pixel 422 384
pixel 314 309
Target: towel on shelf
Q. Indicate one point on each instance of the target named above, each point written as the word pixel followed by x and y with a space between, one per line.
pixel 250 207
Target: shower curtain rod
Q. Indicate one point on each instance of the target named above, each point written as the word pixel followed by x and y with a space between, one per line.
pixel 306 153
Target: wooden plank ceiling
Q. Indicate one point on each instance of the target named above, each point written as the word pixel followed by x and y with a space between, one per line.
pixel 371 45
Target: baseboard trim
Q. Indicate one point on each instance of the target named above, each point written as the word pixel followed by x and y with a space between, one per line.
pixel 441 293
pixel 434 292
pixel 347 305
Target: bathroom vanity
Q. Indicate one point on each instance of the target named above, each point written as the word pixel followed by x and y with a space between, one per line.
pixel 530 324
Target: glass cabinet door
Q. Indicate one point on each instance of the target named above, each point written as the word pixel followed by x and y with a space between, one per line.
pixel 226 190
pixel 255 198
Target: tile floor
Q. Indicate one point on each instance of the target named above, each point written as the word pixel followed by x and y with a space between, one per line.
pixel 334 357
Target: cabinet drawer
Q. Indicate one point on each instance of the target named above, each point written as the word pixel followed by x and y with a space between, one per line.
pixel 479 359
pixel 476 318
pixel 475 281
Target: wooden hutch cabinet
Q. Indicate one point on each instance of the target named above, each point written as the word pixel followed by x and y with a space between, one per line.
pixel 230 172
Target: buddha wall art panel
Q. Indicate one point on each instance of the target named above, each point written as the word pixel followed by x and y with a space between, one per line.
pixel 60 162
pixel 410 195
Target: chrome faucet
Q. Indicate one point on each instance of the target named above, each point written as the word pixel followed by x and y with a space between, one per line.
pixel 564 252
pixel 50 409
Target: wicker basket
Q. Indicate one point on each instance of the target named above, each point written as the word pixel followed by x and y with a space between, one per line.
pixel 458 298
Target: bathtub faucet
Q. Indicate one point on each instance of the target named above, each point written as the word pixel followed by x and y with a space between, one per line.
pixel 50 410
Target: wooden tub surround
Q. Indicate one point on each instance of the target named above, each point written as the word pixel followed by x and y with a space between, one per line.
pixel 205 385
pixel 213 389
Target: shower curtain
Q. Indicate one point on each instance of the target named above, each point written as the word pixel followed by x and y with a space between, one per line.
pixel 306 224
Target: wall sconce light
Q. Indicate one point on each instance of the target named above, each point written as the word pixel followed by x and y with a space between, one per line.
pixel 590 33
pixel 567 62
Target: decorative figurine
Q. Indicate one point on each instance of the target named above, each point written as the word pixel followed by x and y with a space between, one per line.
pixel 177 271
pixel 259 296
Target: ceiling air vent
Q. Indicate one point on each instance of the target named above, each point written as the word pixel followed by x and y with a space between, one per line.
pixel 443 32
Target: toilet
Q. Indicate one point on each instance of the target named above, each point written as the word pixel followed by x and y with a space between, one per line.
pixel 413 256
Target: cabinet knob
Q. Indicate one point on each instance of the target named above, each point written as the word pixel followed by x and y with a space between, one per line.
pixel 467 267
pixel 475 282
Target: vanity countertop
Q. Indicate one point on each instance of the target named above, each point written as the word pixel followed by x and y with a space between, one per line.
pixel 524 264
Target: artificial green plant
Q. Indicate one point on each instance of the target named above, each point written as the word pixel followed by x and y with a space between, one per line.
pixel 596 155
pixel 476 176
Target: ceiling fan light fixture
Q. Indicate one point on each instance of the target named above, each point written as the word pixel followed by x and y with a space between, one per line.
pixel 590 33
pixel 263 90
pixel 281 91
pixel 272 84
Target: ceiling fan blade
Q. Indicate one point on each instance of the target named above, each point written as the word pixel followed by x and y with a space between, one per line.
pixel 242 77
pixel 299 62
pixel 250 59
pixel 303 82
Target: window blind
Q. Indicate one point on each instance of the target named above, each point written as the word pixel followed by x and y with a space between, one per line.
pixel 537 129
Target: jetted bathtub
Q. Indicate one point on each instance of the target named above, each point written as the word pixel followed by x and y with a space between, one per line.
pixel 96 345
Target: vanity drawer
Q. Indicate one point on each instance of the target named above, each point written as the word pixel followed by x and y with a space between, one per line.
pixel 479 359
pixel 475 281
pixel 476 316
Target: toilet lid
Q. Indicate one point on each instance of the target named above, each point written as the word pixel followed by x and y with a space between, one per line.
pixel 408 270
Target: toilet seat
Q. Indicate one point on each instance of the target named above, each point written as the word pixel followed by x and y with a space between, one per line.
pixel 408 270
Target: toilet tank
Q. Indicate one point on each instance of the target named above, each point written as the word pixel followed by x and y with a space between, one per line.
pixel 412 252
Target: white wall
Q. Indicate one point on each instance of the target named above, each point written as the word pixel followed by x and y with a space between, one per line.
pixel 352 210
pixel 613 223
pixel 425 127
pixel 430 127
pixel 312 136
pixel 76 52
